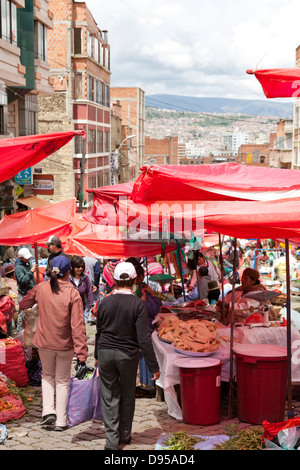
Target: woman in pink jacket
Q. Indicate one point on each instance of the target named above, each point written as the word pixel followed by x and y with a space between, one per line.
pixel 60 332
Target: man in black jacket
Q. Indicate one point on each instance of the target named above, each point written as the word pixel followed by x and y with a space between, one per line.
pixel 55 248
pixel 122 330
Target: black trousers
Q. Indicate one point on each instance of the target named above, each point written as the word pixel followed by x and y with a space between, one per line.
pixel 117 374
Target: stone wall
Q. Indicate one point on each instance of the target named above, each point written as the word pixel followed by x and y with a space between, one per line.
pixel 52 118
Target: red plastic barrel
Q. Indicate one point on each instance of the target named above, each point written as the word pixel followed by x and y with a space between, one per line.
pixel 200 390
pixel 261 382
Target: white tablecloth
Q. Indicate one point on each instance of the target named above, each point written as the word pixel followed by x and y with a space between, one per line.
pixel 170 374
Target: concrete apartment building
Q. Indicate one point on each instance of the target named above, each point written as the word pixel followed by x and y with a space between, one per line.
pixel 79 57
pixel 281 153
pixel 132 101
pixel 24 75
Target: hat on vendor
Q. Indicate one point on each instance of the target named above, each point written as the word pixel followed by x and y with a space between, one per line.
pixel 213 285
pixel 60 265
pixel 251 273
pixel 53 240
pixel 9 268
pixel 123 271
pixel 24 253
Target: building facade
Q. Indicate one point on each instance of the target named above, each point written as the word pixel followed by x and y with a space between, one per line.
pixel 132 101
pixel 79 57
pixel 296 125
pixel 24 75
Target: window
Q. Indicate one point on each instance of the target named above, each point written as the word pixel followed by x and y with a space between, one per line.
pixel 107 96
pixel 77 86
pixel 262 159
pixel 28 115
pixel 3 109
pixel 77 41
pixel 106 142
pixel 96 49
pixel 91 141
pixel 99 141
pixel 40 41
pixel 9 21
pixel 90 88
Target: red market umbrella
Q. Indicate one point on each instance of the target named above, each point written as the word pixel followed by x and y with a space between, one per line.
pixel 279 83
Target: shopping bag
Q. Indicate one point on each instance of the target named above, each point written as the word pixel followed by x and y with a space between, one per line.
pixel 84 401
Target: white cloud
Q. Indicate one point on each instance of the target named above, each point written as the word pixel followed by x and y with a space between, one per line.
pixel 197 47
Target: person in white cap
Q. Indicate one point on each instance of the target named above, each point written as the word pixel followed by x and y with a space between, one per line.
pixel 122 331
pixel 24 272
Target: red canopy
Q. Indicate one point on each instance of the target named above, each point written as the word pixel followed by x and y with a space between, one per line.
pixel 248 219
pixel 37 225
pixel 104 199
pixel 20 153
pixel 224 181
pixel 110 242
pixel 279 83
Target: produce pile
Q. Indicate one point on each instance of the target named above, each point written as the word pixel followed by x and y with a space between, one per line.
pixel 191 335
pixel 11 405
pixel 7 343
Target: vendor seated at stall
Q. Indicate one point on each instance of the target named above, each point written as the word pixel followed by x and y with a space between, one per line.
pixel 204 279
pixel 250 283
pixel 213 293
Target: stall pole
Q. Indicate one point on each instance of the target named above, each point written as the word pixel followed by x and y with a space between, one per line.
pixel 197 273
pixel 36 254
pixel 288 331
pixel 231 376
pixel 222 275
pixel 180 269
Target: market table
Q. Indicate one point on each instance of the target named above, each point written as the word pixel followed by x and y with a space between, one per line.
pixel 170 375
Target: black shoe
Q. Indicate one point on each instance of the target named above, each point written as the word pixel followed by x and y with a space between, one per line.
pixel 126 441
pixel 48 419
pixel 60 428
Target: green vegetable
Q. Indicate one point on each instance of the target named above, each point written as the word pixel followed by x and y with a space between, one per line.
pixel 247 439
pixel 182 441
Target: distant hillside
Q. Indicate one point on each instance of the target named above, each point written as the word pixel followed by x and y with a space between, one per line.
pixel 266 108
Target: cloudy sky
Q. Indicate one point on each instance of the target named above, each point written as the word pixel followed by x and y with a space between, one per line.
pixel 198 47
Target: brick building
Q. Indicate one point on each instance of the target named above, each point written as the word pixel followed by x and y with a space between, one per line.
pixel 161 151
pixel 254 154
pixel 79 56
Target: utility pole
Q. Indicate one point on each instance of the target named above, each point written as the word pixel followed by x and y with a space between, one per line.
pixel 80 195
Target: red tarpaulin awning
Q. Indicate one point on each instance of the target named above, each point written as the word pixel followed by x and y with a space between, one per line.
pixel 104 198
pixel 279 83
pixel 110 242
pixel 249 219
pixel 224 181
pixel 37 225
pixel 20 153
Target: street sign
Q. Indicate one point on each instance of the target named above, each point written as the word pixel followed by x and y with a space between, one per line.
pixel 24 177
pixel 43 184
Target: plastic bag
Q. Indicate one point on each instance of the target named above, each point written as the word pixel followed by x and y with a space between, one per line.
pixel 31 317
pixel 7 307
pixel 84 401
pixel 282 436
